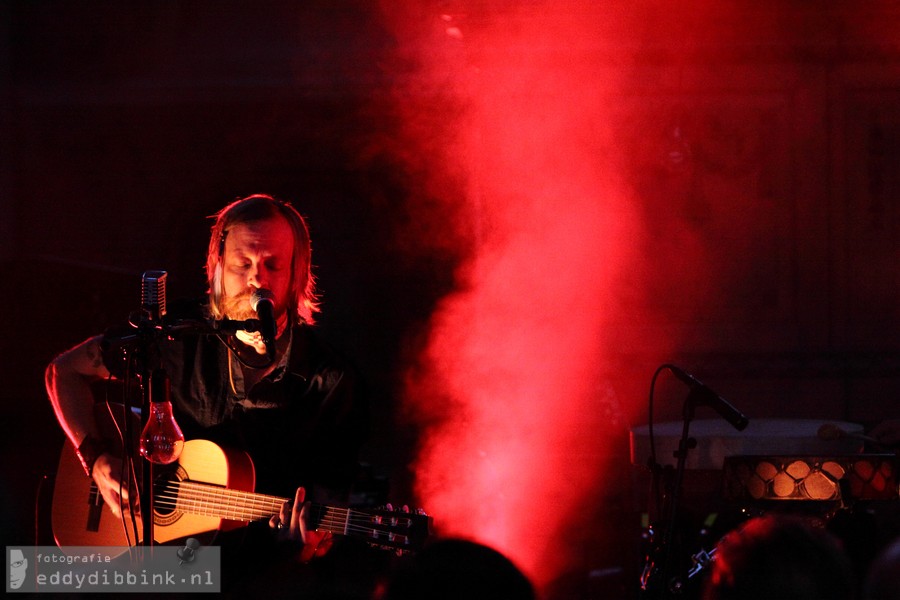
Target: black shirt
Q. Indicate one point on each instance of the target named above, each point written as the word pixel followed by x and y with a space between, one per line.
pixel 302 424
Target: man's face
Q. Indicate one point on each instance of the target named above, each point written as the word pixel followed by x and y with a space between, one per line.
pixel 18 565
pixel 257 255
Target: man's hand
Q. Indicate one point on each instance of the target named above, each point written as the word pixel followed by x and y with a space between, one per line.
pixel 887 432
pixel 291 523
pixel 107 474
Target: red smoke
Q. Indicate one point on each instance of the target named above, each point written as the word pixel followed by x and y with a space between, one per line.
pixel 617 178
pixel 509 382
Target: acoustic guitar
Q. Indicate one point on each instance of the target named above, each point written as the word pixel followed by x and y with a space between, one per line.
pixel 207 490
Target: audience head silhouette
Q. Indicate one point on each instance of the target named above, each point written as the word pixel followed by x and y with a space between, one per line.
pixel 780 557
pixel 455 569
pixel 883 581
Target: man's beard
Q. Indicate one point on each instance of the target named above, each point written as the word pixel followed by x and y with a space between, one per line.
pixel 238 307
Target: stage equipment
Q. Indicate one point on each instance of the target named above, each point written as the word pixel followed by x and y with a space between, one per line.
pixel 658 576
pixel 787 465
pixel 716 441
pixel 263 302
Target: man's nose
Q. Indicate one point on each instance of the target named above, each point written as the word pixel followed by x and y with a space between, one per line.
pixel 257 277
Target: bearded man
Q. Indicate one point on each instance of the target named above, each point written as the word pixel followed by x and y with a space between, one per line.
pixel 290 402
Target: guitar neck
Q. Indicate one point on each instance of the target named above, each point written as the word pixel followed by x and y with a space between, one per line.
pixel 236 505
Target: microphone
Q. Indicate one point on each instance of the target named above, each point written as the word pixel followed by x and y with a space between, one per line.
pixel 705 396
pixel 263 302
pixel 153 295
pixel 161 440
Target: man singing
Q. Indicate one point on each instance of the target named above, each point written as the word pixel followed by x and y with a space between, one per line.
pixel 291 402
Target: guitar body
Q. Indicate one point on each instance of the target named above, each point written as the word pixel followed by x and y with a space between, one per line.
pixel 80 517
pixel 209 489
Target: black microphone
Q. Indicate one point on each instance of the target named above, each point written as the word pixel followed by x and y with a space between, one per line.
pixel 705 396
pixel 263 302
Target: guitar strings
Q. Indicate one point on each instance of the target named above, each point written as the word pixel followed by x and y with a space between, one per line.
pixel 333 519
pixel 210 500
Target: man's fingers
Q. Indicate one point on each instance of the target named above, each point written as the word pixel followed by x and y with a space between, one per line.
pixel 284 514
pixel 298 526
pixel 108 477
pixel 112 500
pixel 291 516
pixel 281 520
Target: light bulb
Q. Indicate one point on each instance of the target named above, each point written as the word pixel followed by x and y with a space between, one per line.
pixel 161 440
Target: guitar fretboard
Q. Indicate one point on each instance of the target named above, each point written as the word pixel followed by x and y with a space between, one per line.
pixel 213 501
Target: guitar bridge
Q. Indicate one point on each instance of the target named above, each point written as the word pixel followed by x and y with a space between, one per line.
pixel 95 508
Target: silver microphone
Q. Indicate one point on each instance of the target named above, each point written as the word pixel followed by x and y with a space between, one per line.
pixel 153 295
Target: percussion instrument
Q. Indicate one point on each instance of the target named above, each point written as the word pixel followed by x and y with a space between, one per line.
pixel 825 478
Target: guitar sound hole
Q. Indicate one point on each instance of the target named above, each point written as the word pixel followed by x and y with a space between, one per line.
pixel 165 496
pixel 163 502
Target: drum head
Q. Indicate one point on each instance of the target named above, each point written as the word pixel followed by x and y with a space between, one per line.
pixel 717 440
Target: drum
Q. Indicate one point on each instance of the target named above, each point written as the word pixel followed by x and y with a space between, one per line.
pixel 717 440
pixel 824 478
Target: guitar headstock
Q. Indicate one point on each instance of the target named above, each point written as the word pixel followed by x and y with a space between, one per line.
pixel 398 530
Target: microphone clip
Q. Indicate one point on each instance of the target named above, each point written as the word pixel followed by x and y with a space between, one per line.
pixel 231 326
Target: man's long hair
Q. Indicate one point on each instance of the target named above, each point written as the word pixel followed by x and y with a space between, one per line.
pixel 260 207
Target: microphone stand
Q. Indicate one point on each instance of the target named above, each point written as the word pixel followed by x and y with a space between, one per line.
pixel 154 384
pixel 152 325
pixel 153 381
pixel 684 444
pixel 699 395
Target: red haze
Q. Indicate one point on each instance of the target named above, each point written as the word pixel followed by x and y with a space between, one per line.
pixel 508 384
